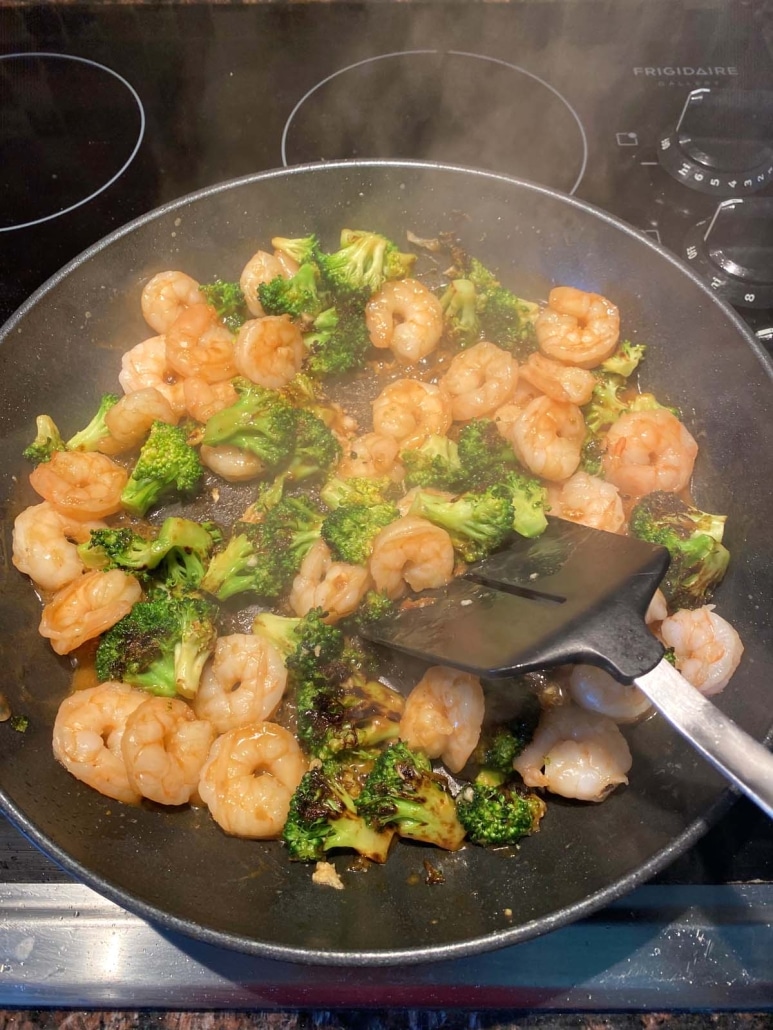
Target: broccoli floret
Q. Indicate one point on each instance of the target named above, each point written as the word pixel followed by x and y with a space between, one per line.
pixel 350 529
pixel 434 464
pixel 268 496
pixel 402 791
pixel 530 503
pixel 363 263
pixel 356 490
pixel 501 743
pixel 315 449
pixel 461 324
pixel 166 462
pixel 484 455
pixel 92 435
pixel 693 537
pixel 478 522
pixel 340 709
pixel 228 301
pixel 307 644
pixel 262 557
pixel 496 815
pixel 47 440
pixel 626 359
pixel 374 606
pixel 323 816
pixel 301 249
pixel 505 319
pixel 337 343
pixel 297 296
pixel 260 422
pixel 178 553
pixel 161 646
pixel 606 404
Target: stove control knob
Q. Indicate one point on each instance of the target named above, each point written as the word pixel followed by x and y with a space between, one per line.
pixel 734 251
pixel 723 142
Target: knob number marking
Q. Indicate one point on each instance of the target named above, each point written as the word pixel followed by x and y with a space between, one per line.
pixel 749 297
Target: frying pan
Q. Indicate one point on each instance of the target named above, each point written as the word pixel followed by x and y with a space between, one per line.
pixel 62 350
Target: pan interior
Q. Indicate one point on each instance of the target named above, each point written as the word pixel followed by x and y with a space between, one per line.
pixel 63 350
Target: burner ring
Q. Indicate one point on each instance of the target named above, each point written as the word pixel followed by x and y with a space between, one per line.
pixel 46 55
pixel 452 53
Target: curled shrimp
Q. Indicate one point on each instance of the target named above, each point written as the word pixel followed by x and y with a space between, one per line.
pixel 371 456
pixel 243 683
pixel 45 545
pixel 566 383
pixel 547 437
pixel 410 411
pixel 249 778
pixel 130 419
pixel 269 351
pixel 707 650
pixel 588 500
pixel 166 296
pixel 86 607
pixel 262 268
pixel 164 748
pixel 479 380
pixel 231 463
pixel 406 318
pixel 88 731
pixel 596 691
pixel 80 484
pixel 411 552
pixel 198 345
pixel 647 451
pixel 578 328
pixel 203 400
pixel 576 754
pixel 443 716
pixel 336 587
pixel 146 365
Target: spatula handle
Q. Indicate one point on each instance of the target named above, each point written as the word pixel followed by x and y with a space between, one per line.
pixel 739 757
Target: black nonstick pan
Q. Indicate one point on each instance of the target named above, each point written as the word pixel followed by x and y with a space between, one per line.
pixel 62 350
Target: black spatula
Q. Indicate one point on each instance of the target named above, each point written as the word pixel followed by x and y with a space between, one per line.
pixel 574 595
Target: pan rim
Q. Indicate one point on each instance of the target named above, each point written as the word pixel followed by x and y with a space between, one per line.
pixel 388 957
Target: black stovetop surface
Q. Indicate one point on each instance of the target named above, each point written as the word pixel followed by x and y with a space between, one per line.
pixel 574 95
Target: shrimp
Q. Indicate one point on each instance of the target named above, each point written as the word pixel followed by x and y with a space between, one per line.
pixel 203 400
pixel 88 731
pixel 164 748
pixel 131 417
pixel 410 411
pixel 647 451
pixel 596 691
pixel 231 463
pixel 479 380
pixel 146 365
pixel 576 754
pixel 547 436
pixel 44 545
pixel 657 610
pixel 166 296
pixel 243 683
pixel 261 268
pixel 88 606
pixel 371 456
pixel 80 484
pixel 443 716
pixel 198 345
pixel 323 583
pixel 707 650
pixel 578 328
pixel 588 500
pixel 411 552
pixel 565 383
pixel 406 318
pixel 249 778
pixel 269 351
